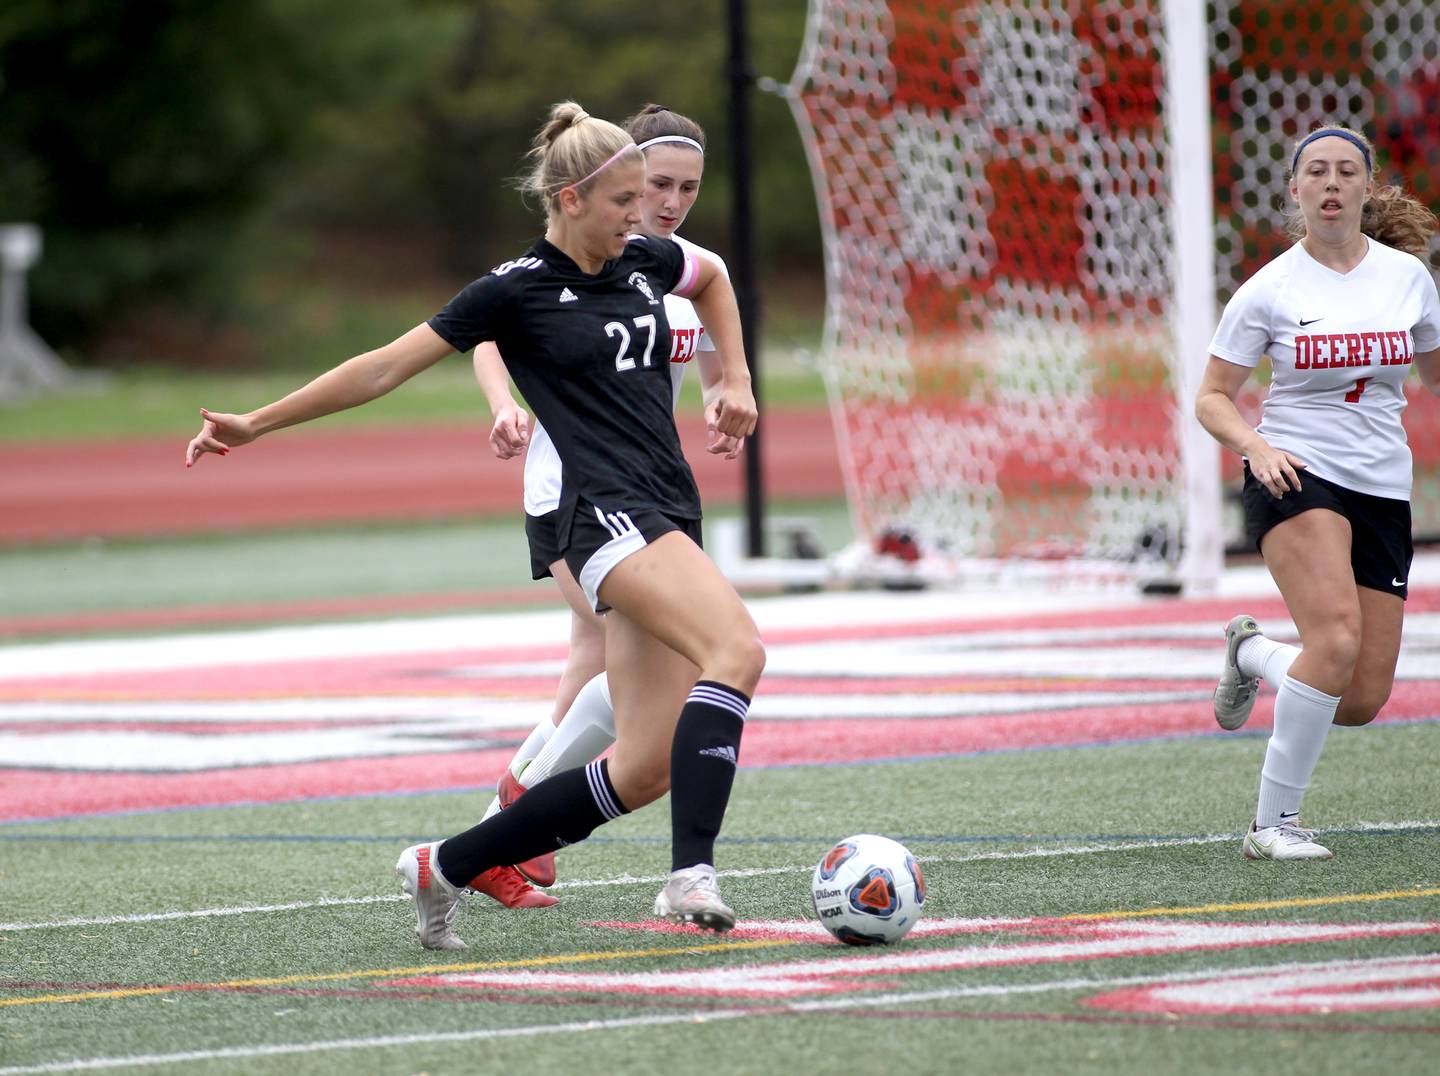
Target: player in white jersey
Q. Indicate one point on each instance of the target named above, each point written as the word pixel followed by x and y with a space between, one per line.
pixel 1344 315
pixel 581 724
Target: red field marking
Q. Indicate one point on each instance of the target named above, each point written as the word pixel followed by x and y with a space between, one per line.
pixel 64 491
pixel 1141 613
pixel 812 738
pixel 29 794
pixel 886 967
pixel 426 673
pixel 240 614
pixel 445 674
pixel 1343 987
pixel 1170 1021
pixel 435 674
pixel 1136 615
pixel 32 794
pixel 198 727
pixel 1157 611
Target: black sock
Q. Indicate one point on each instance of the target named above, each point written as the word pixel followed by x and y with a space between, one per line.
pixel 563 809
pixel 702 769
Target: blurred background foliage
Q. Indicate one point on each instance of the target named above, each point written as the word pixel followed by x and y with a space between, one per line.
pixel 232 184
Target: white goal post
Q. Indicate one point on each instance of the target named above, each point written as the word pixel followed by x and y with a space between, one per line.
pixel 1027 236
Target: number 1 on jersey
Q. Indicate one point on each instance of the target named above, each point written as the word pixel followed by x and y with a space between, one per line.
pixel 617 328
pixel 1353 396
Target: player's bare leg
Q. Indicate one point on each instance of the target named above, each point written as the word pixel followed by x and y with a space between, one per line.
pixel 672 592
pixel 1382 618
pixel 1309 559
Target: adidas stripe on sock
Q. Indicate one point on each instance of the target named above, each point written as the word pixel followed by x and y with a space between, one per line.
pixel 703 758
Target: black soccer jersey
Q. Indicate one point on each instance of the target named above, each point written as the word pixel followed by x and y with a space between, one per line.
pixel 591 354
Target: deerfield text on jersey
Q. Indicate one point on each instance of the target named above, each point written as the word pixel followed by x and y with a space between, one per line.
pixel 1334 350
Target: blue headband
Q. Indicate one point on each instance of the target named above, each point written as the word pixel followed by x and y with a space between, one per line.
pixel 1331 132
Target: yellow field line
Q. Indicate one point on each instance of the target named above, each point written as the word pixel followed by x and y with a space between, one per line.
pixel 385 973
pixel 1258 905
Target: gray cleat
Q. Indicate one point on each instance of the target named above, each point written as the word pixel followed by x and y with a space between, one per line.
pixel 436 900
pixel 1288 840
pixel 1235 694
pixel 691 896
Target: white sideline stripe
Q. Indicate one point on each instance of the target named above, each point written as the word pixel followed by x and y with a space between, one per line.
pixel 697 1016
pixel 380 1042
pixel 203 913
pixel 660 879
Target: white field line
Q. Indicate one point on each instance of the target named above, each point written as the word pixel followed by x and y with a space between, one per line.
pixel 660 879
pixel 202 913
pixel 93 1064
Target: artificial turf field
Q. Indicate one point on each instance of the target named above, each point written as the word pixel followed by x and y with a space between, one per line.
pixel 199 834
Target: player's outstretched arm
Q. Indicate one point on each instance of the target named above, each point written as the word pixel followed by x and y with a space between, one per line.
pixel 1216 410
pixel 354 382
pixel 1427 365
pixel 714 299
pixel 510 432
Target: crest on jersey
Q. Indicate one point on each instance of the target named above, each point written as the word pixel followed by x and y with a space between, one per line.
pixel 638 279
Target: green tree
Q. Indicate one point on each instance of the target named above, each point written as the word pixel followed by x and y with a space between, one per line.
pixel 445 158
pixel 139 135
pixel 174 150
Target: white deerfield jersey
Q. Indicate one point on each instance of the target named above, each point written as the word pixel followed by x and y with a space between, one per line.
pixel 1340 347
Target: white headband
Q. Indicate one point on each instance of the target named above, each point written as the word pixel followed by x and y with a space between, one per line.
pixel 673 138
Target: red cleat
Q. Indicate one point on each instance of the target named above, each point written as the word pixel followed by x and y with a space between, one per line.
pixel 541 869
pixel 507 886
pixel 509 790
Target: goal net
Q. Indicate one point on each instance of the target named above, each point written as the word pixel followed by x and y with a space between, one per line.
pixel 1026 243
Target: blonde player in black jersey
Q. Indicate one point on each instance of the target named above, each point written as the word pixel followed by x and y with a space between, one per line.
pixel 1344 315
pixel 580 320
pixel 581 724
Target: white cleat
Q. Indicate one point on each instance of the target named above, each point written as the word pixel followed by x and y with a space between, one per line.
pixel 436 900
pixel 1285 841
pixel 1235 694
pixel 691 896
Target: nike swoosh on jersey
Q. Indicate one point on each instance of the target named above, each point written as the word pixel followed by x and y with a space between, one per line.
pixel 1312 321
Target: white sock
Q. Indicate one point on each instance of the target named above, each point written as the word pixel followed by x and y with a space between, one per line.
pixel 582 736
pixel 1265 658
pixel 524 755
pixel 1302 719
pixel 533 745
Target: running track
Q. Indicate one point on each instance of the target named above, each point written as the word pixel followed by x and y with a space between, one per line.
pixel 140 488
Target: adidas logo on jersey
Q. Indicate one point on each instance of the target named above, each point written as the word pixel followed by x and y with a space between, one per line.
pixel 568 296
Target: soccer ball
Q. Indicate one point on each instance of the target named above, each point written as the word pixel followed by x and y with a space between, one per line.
pixel 868 890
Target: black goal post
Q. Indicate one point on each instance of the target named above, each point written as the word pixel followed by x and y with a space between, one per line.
pixel 742 259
